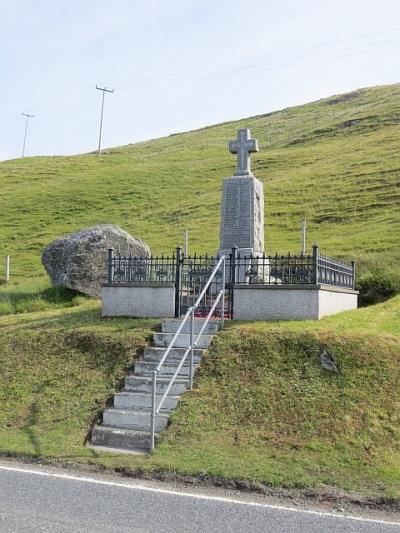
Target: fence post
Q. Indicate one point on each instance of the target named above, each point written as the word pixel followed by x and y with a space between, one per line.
pixel 315 263
pixel 353 267
pixel 178 281
pixel 110 265
pixel 7 269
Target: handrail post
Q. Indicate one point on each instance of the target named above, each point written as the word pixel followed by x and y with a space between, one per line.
pixel 153 410
pixel 353 267
pixel 178 273
pixel 110 265
pixel 315 263
pixel 223 293
pixel 232 275
pixel 191 349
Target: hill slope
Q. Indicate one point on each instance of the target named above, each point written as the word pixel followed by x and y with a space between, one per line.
pixel 343 176
pixel 262 410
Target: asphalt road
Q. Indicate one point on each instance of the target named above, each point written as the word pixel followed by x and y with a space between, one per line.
pixel 39 499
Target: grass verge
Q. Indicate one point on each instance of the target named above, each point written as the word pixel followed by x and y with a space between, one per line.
pixel 263 410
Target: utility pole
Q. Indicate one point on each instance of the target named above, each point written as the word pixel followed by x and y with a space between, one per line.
pixel 105 90
pixel 303 236
pixel 26 130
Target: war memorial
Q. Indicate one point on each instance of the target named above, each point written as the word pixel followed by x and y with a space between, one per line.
pixel 258 287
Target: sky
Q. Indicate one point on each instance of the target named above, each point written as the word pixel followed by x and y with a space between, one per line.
pixel 178 65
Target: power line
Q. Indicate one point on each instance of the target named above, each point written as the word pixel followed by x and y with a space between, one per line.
pixel 229 69
pixel 28 116
pixel 323 51
pixel 105 90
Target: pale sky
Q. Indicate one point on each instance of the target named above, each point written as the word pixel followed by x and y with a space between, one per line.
pixel 179 64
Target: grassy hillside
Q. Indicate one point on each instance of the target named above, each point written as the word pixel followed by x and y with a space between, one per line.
pixel 345 180
pixel 262 410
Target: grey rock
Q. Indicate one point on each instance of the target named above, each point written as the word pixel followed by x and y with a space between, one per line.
pixel 79 260
pixel 349 123
pixel 328 362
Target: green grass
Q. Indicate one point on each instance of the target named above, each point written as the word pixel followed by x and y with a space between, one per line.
pixel 262 410
pixel 58 368
pixel 383 318
pixel 27 295
pixel 346 181
pixel 265 410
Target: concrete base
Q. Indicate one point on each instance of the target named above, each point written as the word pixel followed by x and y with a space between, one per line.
pixel 143 301
pixel 250 302
pixel 290 302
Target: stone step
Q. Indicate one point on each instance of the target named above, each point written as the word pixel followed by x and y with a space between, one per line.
pixel 171 325
pixel 140 400
pixel 126 426
pixel 144 384
pixel 182 341
pixel 175 353
pixel 126 439
pixel 155 354
pixel 143 368
pixel 133 419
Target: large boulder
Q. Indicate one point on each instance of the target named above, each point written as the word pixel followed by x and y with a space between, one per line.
pixel 79 260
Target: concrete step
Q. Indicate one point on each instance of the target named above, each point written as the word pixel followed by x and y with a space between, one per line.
pixel 130 419
pixel 174 356
pixel 182 341
pixel 171 325
pixel 140 400
pixel 156 354
pixel 143 368
pixel 144 384
pixel 126 426
pixel 126 439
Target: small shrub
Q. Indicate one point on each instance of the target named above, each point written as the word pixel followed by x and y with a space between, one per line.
pixel 378 284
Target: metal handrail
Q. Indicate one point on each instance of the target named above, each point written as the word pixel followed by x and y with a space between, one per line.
pixel 155 409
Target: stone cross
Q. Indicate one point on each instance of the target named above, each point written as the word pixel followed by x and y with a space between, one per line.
pixel 243 146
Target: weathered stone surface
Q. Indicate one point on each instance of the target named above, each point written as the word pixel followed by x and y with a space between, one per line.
pixel 79 260
pixel 242 215
pixel 242 210
pixel 243 146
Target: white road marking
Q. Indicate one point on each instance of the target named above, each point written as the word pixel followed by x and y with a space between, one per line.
pixel 138 487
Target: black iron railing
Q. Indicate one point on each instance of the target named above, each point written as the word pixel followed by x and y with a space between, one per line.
pixel 333 272
pixel 127 270
pixel 290 269
pixel 190 274
pixel 274 270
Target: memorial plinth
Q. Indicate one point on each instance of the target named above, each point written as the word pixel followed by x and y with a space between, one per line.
pixel 242 215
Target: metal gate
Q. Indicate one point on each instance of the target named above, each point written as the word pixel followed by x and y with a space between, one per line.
pixel 192 275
